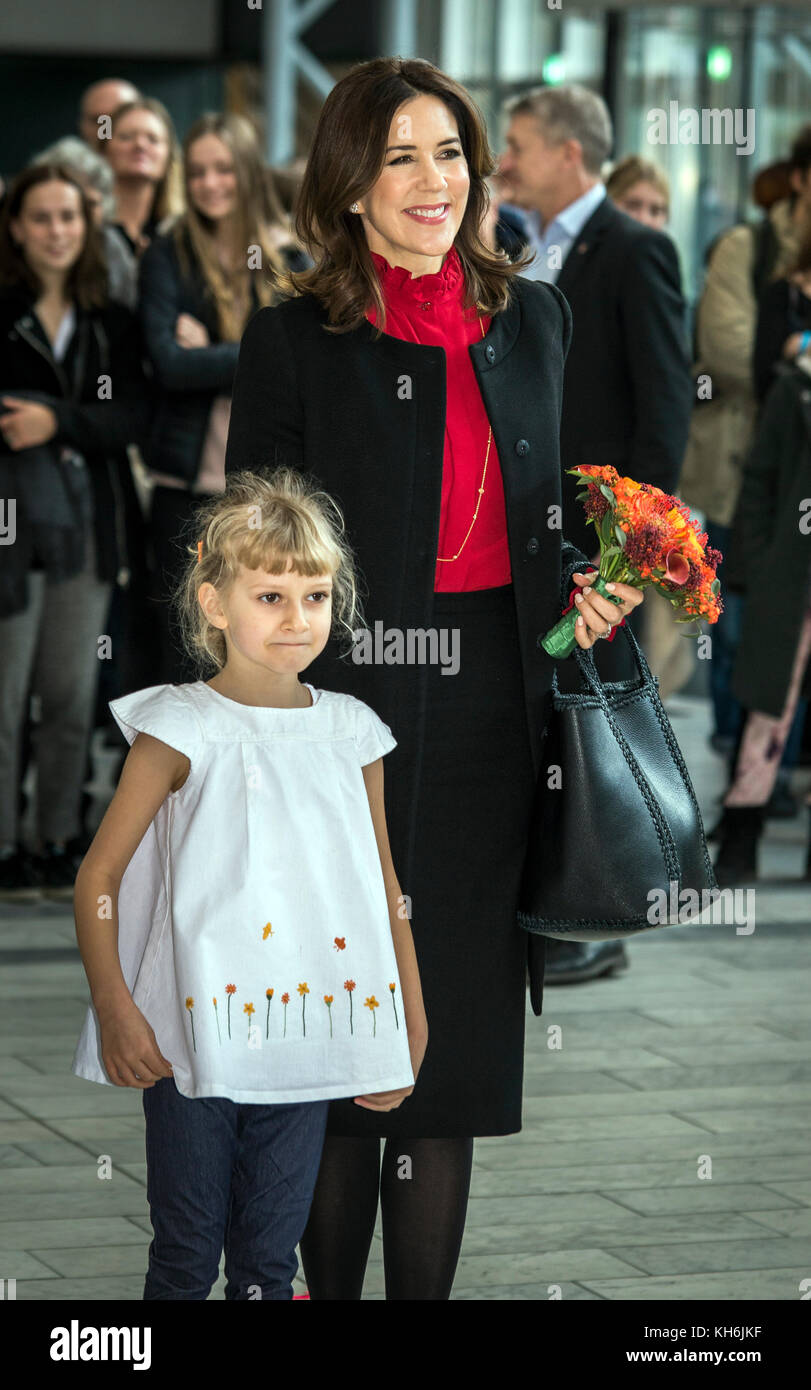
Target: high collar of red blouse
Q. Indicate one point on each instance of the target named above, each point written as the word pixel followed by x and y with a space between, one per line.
pixel 397 283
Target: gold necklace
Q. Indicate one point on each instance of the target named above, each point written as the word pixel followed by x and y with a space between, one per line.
pixel 444 559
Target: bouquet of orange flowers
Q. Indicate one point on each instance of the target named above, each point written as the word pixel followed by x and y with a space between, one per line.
pixel 647 537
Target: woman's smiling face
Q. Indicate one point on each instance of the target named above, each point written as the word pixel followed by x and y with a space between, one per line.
pixel 412 214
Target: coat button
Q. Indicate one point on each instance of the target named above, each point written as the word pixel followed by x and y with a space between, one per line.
pixel 426 304
pixel 522 447
pixel 532 545
pixel 490 353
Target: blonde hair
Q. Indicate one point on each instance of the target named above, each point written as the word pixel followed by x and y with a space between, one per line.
pixel 264 522
pixel 632 170
pixel 260 220
pixel 168 200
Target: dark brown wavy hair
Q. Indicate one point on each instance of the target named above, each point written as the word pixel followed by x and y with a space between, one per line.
pixel 86 281
pixel 347 155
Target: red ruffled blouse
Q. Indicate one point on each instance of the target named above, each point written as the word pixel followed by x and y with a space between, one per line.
pixel 428 309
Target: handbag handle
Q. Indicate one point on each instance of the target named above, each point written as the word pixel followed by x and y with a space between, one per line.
pixel 587 669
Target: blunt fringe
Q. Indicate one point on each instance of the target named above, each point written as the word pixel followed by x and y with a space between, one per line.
pixel 263 521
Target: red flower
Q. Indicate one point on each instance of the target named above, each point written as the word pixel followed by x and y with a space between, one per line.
pixel 677 568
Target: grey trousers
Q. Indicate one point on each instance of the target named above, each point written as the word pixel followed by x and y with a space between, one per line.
pixel 51 650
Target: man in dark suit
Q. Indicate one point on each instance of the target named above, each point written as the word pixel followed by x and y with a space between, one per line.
pixel 627 388
pixel 627 391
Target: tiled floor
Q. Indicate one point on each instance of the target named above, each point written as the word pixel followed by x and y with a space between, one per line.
pixel 665 1148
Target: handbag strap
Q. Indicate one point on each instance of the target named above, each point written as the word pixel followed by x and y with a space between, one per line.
pixel 589 673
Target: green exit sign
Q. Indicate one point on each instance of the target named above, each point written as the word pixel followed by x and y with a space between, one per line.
pixel 719 63
pixel 553 69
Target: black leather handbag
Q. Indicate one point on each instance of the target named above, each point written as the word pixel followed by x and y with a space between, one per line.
pixel 616 834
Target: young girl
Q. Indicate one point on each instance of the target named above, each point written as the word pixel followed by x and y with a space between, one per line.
pixel 264 962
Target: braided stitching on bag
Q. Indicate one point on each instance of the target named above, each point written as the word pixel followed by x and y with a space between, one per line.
pixel 528 922
pixel 633 692
pixel 585 661
pixel 678 758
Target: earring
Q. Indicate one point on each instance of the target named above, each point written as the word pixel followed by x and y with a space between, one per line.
pixel 354 208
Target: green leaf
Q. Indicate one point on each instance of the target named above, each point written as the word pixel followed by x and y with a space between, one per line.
pixel 612 550
pixel 621 536
pixel 607 492
pixel 716 586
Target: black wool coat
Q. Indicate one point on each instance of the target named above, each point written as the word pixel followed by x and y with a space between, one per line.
pixel 628 391
pixel 334 406
pixel 186 381
pixel 106 343
pixel 772 545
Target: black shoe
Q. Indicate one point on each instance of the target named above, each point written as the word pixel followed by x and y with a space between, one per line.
pixel 20 880
pixel 736 862
pixel 569 962
pixel 58 873
pixel 723 743
pixel 781 805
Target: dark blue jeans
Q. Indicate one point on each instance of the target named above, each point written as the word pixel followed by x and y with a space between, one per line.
pixel 222 1175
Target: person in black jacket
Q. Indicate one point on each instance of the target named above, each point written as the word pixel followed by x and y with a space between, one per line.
pixel 772 672
pixel 459 384
pixel 627 390
pixel 71 399
pixel 199 284
pixel 784 321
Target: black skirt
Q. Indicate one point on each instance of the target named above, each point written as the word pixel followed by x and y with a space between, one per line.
pixel 475 803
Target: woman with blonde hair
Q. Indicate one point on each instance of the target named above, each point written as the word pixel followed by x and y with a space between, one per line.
pixel 144 155
pixel 640 188
pixel 200 282
pixel 419 378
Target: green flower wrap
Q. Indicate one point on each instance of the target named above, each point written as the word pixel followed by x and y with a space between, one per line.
pixel 560 639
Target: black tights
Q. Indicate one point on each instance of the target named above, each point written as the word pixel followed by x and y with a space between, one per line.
pixel 423 1185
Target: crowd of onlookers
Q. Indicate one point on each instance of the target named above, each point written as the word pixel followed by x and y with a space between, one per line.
pixel 129 266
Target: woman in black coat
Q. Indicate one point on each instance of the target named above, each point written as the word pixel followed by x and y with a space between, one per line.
pixel 365 413
pixel 772 671
pixel 784 321
pixel 197 289
pixel 72 397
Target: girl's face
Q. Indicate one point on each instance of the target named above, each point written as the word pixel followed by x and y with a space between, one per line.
pixel 211 177
pixel 412 214
pixel 50 227
pixel 275 624
pixel 645 203
pixel 139 146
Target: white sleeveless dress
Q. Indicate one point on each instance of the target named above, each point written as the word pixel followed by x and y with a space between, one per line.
pixel 254 930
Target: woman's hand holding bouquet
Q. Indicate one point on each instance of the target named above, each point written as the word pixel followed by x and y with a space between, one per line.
pixel 647 537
